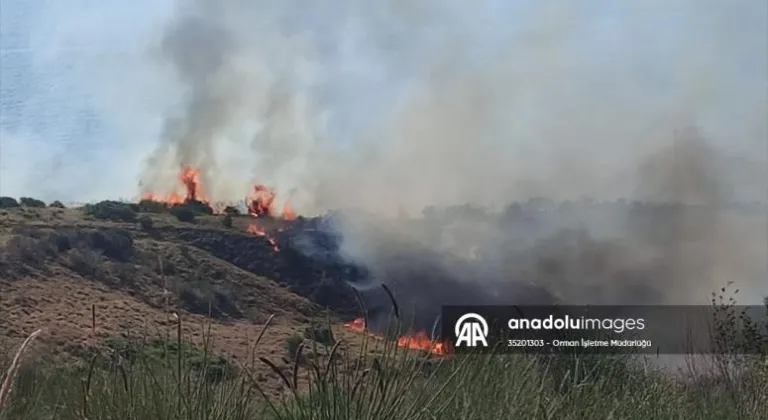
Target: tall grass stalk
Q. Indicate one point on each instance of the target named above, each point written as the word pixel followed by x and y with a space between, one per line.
pixel 378 380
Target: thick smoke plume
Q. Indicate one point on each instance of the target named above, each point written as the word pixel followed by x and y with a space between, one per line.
pixel 487 104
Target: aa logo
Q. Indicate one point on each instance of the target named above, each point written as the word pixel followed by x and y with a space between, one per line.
pixel 471 330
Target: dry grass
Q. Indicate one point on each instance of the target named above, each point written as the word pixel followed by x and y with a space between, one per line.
pixel 80 311
pixel 5 389
pixel 138 301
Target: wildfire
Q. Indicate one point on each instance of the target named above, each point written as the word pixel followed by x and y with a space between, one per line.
pixel 357 325
pixel 416 341
pixel 190 178
pixel 261 203
pixel 420 341
pixel 260 231
pixel 288 212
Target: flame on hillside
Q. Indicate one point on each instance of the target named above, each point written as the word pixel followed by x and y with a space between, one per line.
pixel 261 203
pixel 193 190
pixel 415 341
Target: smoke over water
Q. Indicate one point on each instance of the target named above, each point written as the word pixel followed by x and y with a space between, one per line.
pixel 383 111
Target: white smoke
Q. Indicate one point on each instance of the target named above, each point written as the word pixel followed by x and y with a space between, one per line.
pixel 394 106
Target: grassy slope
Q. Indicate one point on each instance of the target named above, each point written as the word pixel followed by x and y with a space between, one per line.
pixel 358 383
pixel 103 288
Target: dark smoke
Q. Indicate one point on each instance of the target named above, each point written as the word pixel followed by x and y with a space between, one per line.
pixel 675 243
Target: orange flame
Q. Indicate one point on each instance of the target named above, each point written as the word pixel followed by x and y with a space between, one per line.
pixel 416 341
pixel 288 212
pixel 260 231
pixel 357 325
pixel 190 179
pixel 260 202
pixel 420 341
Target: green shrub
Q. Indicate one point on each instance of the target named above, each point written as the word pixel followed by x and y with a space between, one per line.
pixel 57 204
pixel 115 244
pixel 198 207
pixel 183 214
pixel 85 262
pixel 160 352
pixel 111 210
pixel 8 203
pixel 31 202
pixel 322 335
pixel 29 250
pixel 151 206
pixel 292 344
pixel 203 298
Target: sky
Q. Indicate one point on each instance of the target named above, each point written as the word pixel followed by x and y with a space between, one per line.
pixel 84 93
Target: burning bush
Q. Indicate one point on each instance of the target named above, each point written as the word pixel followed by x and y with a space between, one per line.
pixel 111 210
pixel 8 203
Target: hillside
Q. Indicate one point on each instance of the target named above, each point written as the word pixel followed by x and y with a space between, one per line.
pixel 87 281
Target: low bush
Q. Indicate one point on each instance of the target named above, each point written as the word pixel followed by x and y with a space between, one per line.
pixel 151 206
pixel 86 262
pixel 227 221
pixel 31 202
pixel 231 211
pixel 201 297
pixel 28 250
pixel 292 344
pixel 322 335
pixel 112 210
pixel 57 204
pixel 159 352
pixel 198 207
pixel 183 214
pixel 8 203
